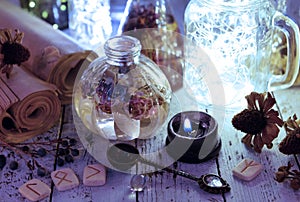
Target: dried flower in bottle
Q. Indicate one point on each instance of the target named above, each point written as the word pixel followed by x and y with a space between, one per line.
pixel 259 121
pixel 12 52
pixel 291 143
pixel 143 103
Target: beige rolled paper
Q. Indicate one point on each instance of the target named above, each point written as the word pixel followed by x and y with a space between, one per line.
pixel 28 106
pixel 60 70
pixel 55 66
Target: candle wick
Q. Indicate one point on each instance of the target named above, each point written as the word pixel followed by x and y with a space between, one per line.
pixel 192 133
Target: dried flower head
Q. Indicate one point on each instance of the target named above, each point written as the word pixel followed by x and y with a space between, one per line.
pixel 291 143
pixel 12 52
pixel 285 173
pixel 259 121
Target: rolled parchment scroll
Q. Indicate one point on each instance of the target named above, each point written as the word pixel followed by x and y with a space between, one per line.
pixel 55 66
pixel 28 105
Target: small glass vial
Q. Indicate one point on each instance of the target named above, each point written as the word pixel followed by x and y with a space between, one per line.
pixel 123 95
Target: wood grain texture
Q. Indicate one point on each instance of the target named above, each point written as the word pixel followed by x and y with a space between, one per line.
pixel 11 180
pixel 163 186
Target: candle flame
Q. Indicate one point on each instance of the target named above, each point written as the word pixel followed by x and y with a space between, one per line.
pixel 187 126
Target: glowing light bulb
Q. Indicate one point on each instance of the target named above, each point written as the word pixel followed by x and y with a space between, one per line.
pixel 45 14
pixel 55 26
pixel 32 4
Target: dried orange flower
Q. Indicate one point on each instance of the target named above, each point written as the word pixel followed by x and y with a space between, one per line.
pixel 259 121
pixel 12 52
pixel 291 143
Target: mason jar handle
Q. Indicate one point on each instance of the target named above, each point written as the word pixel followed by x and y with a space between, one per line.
pixel 291 32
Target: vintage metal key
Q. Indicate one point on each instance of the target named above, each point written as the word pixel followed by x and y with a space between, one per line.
pixel 123 156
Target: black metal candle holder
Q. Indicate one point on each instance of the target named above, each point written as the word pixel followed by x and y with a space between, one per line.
pixel 195 143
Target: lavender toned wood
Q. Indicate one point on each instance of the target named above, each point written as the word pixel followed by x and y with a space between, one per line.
pixel 167 187
pixel 164 186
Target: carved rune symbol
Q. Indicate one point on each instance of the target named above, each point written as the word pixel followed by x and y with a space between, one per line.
pixel 62 176
pixel 31 189
pixel 248 165
pixel 93 174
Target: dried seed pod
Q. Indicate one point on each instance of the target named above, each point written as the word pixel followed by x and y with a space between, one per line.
pixel 249 121
pixel 14 53
pixel 291 143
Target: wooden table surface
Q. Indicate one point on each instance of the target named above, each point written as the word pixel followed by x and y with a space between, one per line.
pixel 161 186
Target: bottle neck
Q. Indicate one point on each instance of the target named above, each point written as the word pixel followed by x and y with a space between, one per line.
pixel 122 50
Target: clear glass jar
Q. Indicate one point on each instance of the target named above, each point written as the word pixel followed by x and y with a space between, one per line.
pixel 89 21
pixel 291 9
pixel 238 37
pixel 123 95
pixel 153 23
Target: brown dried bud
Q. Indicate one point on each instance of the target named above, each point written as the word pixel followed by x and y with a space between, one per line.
pixel 269 146
pixel 295 183
pixel 280 176
pixel 283 168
